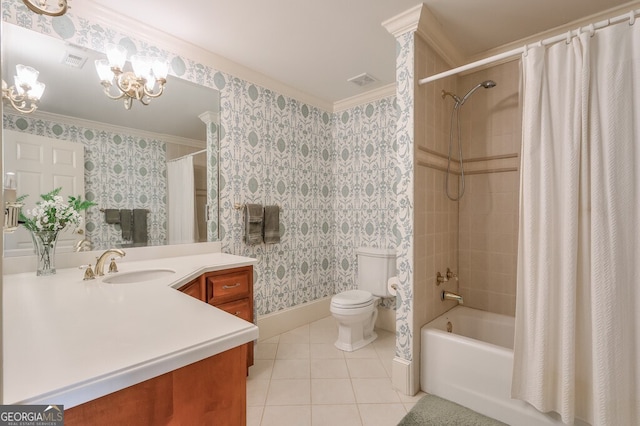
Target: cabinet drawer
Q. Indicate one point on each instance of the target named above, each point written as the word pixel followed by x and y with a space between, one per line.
pixel 225 287
pixel 239 308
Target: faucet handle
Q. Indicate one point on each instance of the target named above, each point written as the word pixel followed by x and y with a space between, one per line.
pixel 441 278
pixel 88 273
pixel 113 268
pixel 451 274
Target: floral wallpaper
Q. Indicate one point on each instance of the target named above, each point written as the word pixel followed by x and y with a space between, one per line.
pixel 121 171
pixel 212 180
pixel 364 191
pixel 277 151
pixel 405 181
pixel 334 176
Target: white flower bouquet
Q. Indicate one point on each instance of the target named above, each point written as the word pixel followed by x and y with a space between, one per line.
pixel 53 214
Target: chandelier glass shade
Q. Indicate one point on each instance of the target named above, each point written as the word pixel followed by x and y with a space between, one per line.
pixel 146 80
pixel 26 92
pixel 43 7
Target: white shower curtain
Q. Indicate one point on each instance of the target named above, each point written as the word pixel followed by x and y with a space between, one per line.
pixel 577 347
pixel 181 224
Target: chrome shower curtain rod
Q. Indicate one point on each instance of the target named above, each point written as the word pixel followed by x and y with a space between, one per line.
pixel 630 16
pixel 188 155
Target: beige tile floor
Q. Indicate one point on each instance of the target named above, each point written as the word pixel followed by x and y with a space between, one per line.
pixel 300 378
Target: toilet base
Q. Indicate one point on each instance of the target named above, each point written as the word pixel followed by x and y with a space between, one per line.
pixel 356 331
pixel 350 347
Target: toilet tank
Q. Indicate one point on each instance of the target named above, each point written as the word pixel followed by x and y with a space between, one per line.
pixel 375 267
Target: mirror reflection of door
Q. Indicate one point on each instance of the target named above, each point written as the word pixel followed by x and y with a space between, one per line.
pixel 41 165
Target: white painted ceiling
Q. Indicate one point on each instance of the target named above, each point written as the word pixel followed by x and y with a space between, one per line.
pixel 315 46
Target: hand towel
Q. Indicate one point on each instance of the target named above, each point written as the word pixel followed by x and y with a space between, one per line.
pixel 126 223
pixel 112 216
pixel 271 224
pixel 140 235
pixel 253 219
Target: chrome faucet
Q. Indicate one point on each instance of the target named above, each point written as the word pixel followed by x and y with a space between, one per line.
pixel 100 262
pixel 447 295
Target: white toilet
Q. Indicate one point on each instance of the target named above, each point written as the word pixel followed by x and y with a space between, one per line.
pixel 356 310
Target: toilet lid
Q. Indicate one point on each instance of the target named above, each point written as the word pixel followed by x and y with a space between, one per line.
pixel 352 298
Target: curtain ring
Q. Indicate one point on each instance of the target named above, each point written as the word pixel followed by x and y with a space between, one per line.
pixel 632 18
pixel 569 37
pixel 592 30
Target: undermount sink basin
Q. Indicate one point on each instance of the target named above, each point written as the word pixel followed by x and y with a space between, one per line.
pixel 138 276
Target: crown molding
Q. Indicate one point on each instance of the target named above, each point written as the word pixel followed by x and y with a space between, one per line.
pixel 430 29
pixel 404 22
pixel 105 127
pixel 364 98
pixel 420 19
pixel 111 19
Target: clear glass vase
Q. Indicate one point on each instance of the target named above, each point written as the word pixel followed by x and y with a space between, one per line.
pixel 44 243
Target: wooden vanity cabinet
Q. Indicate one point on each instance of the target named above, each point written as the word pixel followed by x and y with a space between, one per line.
pixel 211 391
pixel 207 392
pixel 230 290
pixel 195 289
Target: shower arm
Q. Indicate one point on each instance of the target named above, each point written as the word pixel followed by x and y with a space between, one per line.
pixel 453 96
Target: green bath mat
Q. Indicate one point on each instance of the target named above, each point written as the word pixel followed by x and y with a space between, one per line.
pixel 435 411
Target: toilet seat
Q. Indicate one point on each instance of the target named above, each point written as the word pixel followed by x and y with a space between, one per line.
pixel 352 299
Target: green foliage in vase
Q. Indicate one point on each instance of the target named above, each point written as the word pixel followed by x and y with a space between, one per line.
pixel 52 213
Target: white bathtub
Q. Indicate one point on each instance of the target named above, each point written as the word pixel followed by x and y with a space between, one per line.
pixel 472 365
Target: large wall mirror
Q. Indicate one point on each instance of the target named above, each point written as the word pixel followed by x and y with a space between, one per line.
pixel 125 156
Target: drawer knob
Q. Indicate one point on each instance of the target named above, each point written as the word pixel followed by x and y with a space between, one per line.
pixel 227 287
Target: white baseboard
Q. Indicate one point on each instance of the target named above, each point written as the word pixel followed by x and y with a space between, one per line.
pixel 402 376
pixel 282 321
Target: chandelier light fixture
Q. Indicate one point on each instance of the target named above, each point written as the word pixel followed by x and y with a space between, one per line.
pixel 26 93
pixel 146 81
pixel 42 7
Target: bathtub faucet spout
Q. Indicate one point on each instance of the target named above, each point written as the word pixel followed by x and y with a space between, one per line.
pixel 447 295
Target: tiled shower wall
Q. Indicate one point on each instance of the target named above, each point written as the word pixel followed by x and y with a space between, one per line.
pixel 491 126
pixel 436 217
pixel 477 236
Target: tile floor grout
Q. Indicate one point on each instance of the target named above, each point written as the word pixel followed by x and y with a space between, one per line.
pixel 298 379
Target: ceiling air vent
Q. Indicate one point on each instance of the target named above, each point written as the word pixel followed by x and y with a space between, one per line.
pixel 362 79
pixel 74 59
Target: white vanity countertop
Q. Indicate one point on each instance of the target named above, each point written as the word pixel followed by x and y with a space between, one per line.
pixel 68 341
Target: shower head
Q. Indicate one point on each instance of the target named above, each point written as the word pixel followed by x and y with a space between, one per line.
pixel 488 84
